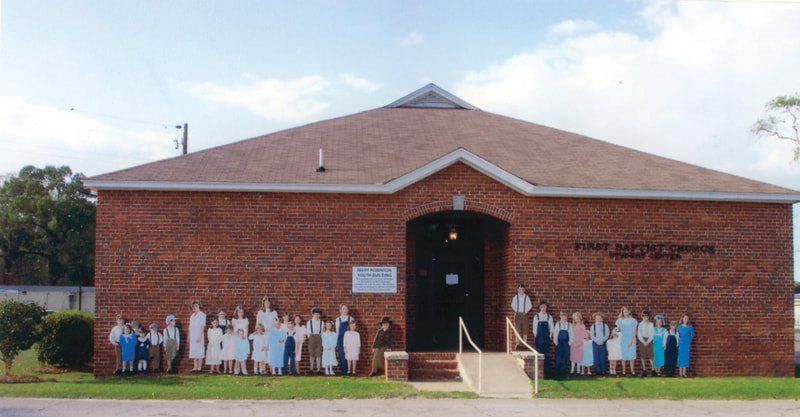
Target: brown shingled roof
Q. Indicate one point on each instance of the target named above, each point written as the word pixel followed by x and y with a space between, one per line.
pixel 376 146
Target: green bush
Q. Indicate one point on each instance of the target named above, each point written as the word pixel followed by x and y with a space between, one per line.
pixel 19 329
pixel 67 339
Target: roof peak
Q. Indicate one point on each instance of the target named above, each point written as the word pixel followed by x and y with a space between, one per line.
pixel 433 97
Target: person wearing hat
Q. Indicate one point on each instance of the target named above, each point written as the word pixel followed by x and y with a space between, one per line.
pixel 172 343
pixel 383 342
pixel 314 328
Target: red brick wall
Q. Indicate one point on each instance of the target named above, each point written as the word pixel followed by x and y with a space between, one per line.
pixel 156 251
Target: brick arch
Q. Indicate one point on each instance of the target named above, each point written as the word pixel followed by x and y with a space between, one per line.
pixel 447 205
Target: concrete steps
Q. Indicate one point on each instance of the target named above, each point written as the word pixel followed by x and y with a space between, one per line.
pixel 433 366
pixel 503 377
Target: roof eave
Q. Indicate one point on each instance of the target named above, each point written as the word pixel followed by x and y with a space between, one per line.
pixel 459 155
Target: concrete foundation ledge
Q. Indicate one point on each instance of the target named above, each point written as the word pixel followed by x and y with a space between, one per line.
pixel 527 360
pixel 396 365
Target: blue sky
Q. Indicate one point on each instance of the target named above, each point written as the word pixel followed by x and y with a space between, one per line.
pixel 680 79
pixel 136 59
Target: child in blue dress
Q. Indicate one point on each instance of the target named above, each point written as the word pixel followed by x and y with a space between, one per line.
pixel 142 350
pixel 329 344
pixel 671 342
pixel 242 352
pixel 659 332
pixel 686 335
pixel 276 341
pixel 127 344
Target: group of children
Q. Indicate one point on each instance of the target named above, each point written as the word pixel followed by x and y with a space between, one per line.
pixel 578 349
pixel 275 347
pixel 135 345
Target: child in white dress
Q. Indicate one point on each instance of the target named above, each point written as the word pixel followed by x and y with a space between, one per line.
pixel 352 347
pixel 329 340
pixel 266 316
pixel 259 354
pixel 299 339
pixel 240 322
pixel 228 350
pixel 214 349
pixel 588 355
pixel 614 350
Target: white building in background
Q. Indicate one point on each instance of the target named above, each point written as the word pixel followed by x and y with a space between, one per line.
pixel 51 298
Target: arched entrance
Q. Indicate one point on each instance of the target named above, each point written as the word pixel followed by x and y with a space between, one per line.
pixel 455 259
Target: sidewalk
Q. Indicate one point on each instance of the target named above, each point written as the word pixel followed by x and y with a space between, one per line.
pixel 416 407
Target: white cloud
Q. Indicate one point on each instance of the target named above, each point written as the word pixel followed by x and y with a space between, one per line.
pixel 294 100
pixel 689 91
pixel 32 134
pixel 411 39
pixel 359 83
pixel 571 27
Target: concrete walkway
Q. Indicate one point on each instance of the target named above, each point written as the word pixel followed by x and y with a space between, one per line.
pixel 503 377
pixel 417 407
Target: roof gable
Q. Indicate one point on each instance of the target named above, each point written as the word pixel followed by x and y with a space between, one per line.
pixel 385 149
pixel 431 96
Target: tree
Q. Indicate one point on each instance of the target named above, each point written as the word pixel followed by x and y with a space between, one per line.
pixel 19 329
pixel 782 122
pixel 47 225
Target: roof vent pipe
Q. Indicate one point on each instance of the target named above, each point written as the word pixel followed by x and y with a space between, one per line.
pixel 321 167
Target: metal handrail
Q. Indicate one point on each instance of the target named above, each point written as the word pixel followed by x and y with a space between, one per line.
pixel 462 329
pixel 510 325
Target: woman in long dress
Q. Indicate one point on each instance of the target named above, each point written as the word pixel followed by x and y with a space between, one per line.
pixel 659 333
pixel 214 351
pixel 197 346
pixel 627 326
pixel 686 335
pixel 276 341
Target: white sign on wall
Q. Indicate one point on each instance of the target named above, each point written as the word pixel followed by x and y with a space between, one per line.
pixel 374 279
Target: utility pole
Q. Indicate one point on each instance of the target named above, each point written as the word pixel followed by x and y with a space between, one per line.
pixel 185 142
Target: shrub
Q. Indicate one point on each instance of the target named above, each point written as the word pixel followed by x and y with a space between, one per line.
pixel 67 339
pixel 19 329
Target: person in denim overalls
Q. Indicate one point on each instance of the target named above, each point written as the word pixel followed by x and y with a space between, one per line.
pixel 542 329
pixel 342 325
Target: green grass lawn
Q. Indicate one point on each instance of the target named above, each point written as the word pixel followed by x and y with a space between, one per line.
pixel 744 388
pixel 84 385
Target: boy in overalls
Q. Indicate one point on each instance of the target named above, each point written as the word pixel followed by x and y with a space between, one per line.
pixel 342 325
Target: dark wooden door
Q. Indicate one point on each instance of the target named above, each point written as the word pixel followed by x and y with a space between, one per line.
pixel 449 283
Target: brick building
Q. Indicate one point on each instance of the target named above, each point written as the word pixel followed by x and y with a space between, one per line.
pixel 465 204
